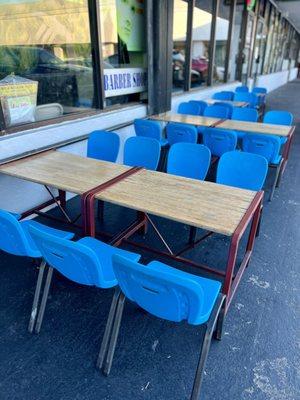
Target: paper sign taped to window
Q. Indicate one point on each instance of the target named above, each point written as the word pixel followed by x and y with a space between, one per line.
pixel 120 81
pixel 18 99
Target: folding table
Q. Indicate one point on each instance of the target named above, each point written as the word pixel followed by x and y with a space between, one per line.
pixel 217 208
pixel 67 173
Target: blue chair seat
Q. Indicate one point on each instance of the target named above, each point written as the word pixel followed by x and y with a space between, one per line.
pixel 104 252
pixel 35 253
pixel 209 287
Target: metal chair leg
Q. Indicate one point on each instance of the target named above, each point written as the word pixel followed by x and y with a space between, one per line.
pixel 108 328
pixel 259 222
pixel 114 335
pixel 36 296
pixel 100 210
pixel 210 326
pixel 220 322
pixel 192 236
pixel 44 300
pixel 278 168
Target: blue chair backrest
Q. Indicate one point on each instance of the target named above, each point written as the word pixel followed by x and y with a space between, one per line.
pixel 72 259
pixel 159 291
pixel 278 117
pixel 142 151
pixel 202 104
pixel 190 160
pixel 148 128
pixel 189 108
pixel 216 111
pixel 244 114
pixel 177 132
pixel 223 95
pixel 242 88
pixel 103 145
pixel 243 170
pixel 228 106
pixel 250 98
pixel 12 237
pixel 259 90
pixel 219 141
pixel 265 145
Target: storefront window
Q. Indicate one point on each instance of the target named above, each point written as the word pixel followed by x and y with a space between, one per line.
pixel 258 48
pixel 221 41
pixel 235 43
pixel 179 43
pixel 294 49
pixel 123 35
pixel 286 47
pixel 200 42
pixel 266 68
pixel 46 46
pixel 274 48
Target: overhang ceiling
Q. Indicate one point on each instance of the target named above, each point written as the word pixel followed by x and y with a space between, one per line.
pixel 291 10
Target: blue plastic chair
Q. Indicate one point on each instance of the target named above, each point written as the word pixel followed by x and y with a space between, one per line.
pixel 250 98
pixel 242 88
pixel 142 151
pixel 219 141
pixel 223 95
pixel 172 295
pixel 258 89
pixel 103 145
pixel 87 262
pixel 244 114
pixel 267 146
pixel 242 170
pixel 202 104
pixel 177 132
pixel 15 239
pixel 189 108
pixel 278 117
pixel 216 111
pixel 151 129
pixel 189 160
pixel 228 106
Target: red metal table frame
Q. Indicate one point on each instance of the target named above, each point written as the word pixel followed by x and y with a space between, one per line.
pixel 230 280
pixel 286 150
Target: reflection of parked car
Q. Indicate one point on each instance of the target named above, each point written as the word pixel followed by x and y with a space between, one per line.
pixel 201 65
pixel 59 81
pixel 198 75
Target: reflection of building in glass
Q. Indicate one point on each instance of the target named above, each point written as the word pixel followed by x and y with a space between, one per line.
pixel 200 40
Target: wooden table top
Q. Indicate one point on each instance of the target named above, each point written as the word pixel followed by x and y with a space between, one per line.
pixel 206 205
pixel 256 127
pixel 233 103
pixel 63 171
pixel 186 119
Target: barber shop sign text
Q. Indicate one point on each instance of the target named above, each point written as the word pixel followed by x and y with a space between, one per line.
pixel 118 81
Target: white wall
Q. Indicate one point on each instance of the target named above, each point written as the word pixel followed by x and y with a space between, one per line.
pixel 277 79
